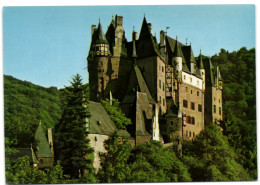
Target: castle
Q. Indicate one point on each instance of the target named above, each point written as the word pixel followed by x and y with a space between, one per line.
pixel 169 94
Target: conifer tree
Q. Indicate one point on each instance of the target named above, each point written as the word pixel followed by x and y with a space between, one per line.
pixel 71 143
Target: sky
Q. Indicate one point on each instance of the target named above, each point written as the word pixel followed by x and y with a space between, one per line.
pixel 48 45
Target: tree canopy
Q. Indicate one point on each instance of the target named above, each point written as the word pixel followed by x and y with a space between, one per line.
pixel 71 144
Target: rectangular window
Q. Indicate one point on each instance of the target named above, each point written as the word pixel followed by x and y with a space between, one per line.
pixel 199 107
pixel 219 110
pixel 160 84
pixel 163 101
pixel 191 91
pixel 193 121
pixel 184 77
pixel 163 86
pixel 186 133
pixel 190 134
pixel 214 107
pixel 198 93
pixel 186 89
pixel 188 119
pixel 185 103
pixel 219 100
pixel 162 69
pixel 192 105
pixel 160 99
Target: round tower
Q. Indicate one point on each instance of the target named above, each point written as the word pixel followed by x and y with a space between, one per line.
pixel 98 65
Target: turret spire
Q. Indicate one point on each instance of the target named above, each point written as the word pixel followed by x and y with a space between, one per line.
pixel 134 47
pixel 200 61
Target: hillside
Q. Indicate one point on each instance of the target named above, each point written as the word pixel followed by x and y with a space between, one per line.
pixel 239 103
pixel 25 104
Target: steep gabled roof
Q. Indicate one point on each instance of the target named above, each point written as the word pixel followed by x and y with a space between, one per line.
pixel 188 54
pixel 144 113
pixel 177 52
pixel 147 36
pixel 100 122
pixel 137 80
pixel 43 148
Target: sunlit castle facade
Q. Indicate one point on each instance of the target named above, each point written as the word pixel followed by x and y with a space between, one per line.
pixel 169 95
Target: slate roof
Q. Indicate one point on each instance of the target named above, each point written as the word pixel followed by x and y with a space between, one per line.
pixel 177 52
pixel 142 113
pixel 147 35
pixel 43 148
pixel 137 79
pixel 101 123
pixel 188 54
pixel 98 36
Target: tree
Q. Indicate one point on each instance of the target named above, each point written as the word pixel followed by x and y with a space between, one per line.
pixel 71 143
pixel 159 164
pixel 114 166
pixel 210 158
pixel 116 115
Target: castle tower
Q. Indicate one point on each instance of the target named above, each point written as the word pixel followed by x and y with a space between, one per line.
pixel 98 64
pixel 119 50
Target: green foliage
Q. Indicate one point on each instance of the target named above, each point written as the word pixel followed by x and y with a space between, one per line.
pixel 150 162
pixel 210 158
pixel 21 172
pixel 163 162
pixel 25 104
pixel 116 115
pixel 71 143
pixel 114 162
pixel 239 104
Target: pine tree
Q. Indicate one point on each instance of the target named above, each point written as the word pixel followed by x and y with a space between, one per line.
pixel 71 143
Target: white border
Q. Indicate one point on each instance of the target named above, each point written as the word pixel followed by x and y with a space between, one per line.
pixel 111 2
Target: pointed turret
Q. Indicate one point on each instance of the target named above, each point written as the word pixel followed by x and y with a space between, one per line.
pixel 100 39
pixel 43 148
pixel 99 43
pixel 200 61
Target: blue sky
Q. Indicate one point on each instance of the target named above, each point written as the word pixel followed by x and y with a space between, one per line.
pixel 48 45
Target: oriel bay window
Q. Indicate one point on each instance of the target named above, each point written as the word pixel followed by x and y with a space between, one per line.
pixel 101 49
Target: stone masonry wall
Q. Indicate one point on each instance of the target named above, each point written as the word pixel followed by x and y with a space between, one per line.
pixel 195 95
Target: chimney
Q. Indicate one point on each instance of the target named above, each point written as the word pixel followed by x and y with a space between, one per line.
pixel 162 38
pixel 150 27
pixel 50 140
pixel 119 20
pixel 93 27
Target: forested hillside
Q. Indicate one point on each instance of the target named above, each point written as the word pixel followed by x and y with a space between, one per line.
pixel 214 155
pixel 25 104
pixel 239 103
